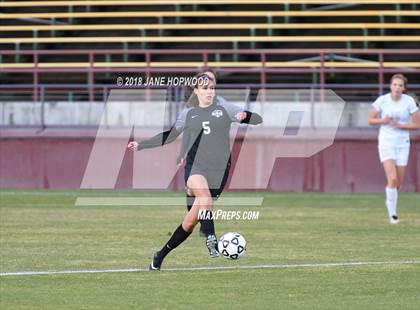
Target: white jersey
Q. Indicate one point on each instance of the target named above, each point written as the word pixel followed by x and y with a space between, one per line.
pixel 401 112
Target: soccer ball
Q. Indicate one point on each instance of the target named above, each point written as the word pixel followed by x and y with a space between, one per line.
pixel 232 245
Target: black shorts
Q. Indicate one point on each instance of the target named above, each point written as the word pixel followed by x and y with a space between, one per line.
pixel 216 179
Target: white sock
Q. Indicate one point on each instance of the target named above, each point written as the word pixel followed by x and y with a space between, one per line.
pixel 391 200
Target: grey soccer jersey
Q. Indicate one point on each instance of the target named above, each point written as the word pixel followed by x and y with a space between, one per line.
pixel 207 133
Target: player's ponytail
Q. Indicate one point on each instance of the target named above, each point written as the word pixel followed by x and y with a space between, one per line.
pixel 192 100
pixel 188 92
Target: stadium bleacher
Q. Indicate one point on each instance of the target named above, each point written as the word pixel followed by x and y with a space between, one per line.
pixel 118 27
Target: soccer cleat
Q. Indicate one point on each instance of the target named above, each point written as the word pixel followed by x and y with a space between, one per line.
pixel 211 243
pixel 394 219
pixel 156 262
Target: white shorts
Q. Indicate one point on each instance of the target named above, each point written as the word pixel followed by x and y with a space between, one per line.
pixel 399 154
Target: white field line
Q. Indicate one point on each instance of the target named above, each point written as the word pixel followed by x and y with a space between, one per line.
pixel 209 268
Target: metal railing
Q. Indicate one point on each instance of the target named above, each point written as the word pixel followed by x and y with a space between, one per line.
pixel 206 57
pixel 55 109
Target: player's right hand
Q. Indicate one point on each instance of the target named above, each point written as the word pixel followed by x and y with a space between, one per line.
pixel 132 146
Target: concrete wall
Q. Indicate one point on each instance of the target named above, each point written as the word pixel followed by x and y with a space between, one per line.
pixel 58 159
pixel 122 113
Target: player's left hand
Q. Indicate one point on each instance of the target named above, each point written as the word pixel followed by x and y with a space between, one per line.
pixel 240 116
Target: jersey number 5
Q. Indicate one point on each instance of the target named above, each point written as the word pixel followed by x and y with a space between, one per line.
pixel 206 127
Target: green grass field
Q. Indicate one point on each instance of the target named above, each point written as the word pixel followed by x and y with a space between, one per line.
pixel 45 231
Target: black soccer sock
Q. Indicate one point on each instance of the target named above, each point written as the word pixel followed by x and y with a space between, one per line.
pixel 207 222
pixel 190 201
pixel 179 236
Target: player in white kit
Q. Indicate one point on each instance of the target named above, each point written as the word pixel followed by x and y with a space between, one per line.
pixel 396 113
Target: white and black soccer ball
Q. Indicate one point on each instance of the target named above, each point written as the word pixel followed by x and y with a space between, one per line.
pixel 232 245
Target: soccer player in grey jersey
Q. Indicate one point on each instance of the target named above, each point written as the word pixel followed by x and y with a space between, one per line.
pixel 207 123
pixel 185 145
